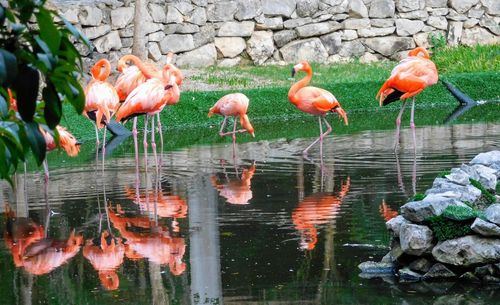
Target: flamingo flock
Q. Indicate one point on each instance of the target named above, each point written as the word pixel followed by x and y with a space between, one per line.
pixel 142 89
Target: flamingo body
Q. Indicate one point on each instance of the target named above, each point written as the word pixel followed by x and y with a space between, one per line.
pixel 234 104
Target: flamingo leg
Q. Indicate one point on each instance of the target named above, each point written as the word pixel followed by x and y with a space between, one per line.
pixel 136 148
pixel 327 132
pixel 161 135
pixel 221 133
pixel 315 141
pixel 145 141
pixel 412 125
pixel 103 150
pixel 320 138
pixel 398 125
pixel 96 144
pixel 46 170
pixel 234 130
pixel 153 142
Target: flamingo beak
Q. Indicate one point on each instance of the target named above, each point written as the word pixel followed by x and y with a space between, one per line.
pixel 168 87
pixel 293 72
pixel 253 134
pixel 342 114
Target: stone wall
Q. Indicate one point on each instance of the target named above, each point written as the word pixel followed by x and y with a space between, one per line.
pixel 230 32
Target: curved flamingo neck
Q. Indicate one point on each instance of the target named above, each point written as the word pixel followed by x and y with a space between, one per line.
pixel 299 85
pixel 418 50
pixel 105 71
pixel 122 63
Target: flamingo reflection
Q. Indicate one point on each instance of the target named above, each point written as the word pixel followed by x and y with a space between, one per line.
pixel 32 250
pixel 105 257
pixel 167 206
pixel 147 239
pixel 235 190
pixel 315 210
pixel 386 211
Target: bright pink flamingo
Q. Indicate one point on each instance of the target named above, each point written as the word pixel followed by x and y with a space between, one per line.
pixel 315 101
pixel 410 77
pixel 66 141
pixel 149 98
pixel 101 99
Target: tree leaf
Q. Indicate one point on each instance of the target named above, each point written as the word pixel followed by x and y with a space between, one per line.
pixel 4 107
pixel 37 141
pixel 53 106
pixel 4 161
pixel 26 87
pixel 10 132
pixel 10 65
pixel 77 33
pixel 48 30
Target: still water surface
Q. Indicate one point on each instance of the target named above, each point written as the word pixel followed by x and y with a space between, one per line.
pixel 265 227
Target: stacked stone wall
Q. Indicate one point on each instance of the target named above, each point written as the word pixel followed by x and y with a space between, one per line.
pixel 231 32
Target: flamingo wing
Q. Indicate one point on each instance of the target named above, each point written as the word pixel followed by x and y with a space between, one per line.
pixel 147 98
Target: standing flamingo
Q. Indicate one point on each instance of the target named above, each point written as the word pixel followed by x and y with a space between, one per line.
pixel 234 104
pixel 101 99
pixel 149 98
pixel 138 73
pixel 315 101
pixel 410 77
pixel 236 190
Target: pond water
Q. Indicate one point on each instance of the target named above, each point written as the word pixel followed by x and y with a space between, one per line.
pixel 264 227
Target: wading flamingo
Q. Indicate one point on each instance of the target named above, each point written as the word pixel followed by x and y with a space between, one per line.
pixel 149 98
pixel 234 104
pixel 410 77
pixel 137 73
pixel 101 99
pixel 66 141
pixel 315 101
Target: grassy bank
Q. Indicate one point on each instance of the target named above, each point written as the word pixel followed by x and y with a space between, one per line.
pixel 473 70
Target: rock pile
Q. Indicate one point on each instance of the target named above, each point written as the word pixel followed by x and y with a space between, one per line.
pixel 453 232
pixel 229 32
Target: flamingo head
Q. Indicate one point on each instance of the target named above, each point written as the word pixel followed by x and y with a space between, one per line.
pixel 341 113
pixel 419 50
pixel 302 66
pixel 97 70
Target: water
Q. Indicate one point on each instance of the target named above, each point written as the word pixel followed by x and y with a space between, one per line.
pixel 265 227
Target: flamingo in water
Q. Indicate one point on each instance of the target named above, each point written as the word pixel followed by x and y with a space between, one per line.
pixel 149 98
pixel 315 101
pixel 101 99
pixel 131 76
pixel 234 104
pixel 410 77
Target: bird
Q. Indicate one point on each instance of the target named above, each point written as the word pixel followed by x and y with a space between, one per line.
pixel 131 76
pixel 233 104
pixel 315 101
pixel 101 99
pixel 410 77
pixel 67 142
pixel 148 98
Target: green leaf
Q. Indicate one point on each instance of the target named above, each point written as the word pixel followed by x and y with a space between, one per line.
pixel 76 33
pixel 53 106
pixel 26 87
pixel 45 59
pixel 4 107
pixel 10 131
pixel 37 141
pixel 42 44
pixel 8 63
pixel 4 160
pixel 48 31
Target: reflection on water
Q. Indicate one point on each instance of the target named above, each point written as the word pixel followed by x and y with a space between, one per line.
pixel 266 226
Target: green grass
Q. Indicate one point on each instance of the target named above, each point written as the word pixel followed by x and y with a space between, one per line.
pixel 444 228
pixel 467 59
pixel 418 197
pixel 489 197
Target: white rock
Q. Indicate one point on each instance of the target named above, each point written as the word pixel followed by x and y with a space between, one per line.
pixel 176 43
pixel 90 15
pixel 239 29
pixel 260 46
pixel 308 49
pixel 98 31
pixel 230 46
pixel 204 56
pixel 154 51
pixel 382 9
pixel 439 22
pixel 355 24
pixel 415 239
pixel 283 8
pixel 109 42
pixel 462 6
pixel 410 5
pixel 229 62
